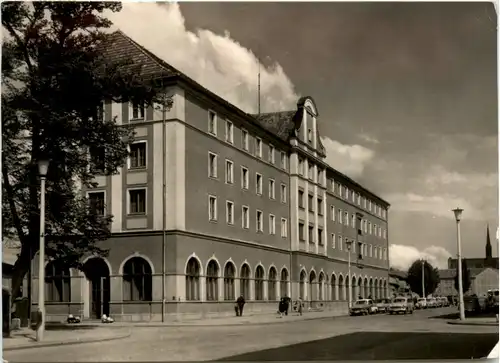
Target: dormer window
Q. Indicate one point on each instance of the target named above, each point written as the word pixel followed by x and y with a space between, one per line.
pixel 309 135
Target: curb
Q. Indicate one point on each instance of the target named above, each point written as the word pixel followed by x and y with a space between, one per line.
pixel 69 342
pixel 472 323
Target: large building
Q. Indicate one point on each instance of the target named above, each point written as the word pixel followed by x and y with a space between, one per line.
pixel 215 203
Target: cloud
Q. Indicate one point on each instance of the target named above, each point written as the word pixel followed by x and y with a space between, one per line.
pixel 369 139
pixel 401 257
pixel 217 62
pixel 440 176
pixel 348 159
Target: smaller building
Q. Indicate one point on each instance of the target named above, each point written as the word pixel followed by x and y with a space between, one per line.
pixel 483 279
pixel 398 283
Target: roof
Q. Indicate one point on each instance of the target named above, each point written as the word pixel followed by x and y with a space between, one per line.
pixel 280 123
pixel 398 274
pixel 451 273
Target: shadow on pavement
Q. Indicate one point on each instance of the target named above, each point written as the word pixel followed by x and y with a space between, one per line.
pixel 68 327
pixel 381 346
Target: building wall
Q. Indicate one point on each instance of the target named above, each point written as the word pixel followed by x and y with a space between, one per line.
pixel 486 280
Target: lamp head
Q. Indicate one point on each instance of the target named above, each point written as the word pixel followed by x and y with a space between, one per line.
pixel 43 167
pixel 348 244
pixel 458 214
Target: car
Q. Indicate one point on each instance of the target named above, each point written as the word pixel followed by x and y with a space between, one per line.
pixel 382 305
pixel 432 303
pixel 421 303
pixel 401 305
pixel 444 302
pixel 363 307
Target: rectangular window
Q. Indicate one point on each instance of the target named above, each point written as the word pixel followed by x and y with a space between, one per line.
pixel 311 234
pixel 229 132
pixel 301 199
pixel 244 178
pixel 244 139
pixel 138 158
pixel 229 172
pixel 320 177
pixel 137 201
pixel 375 252
pixel 339 189
pixel 332 213
pixel 310 202
pixel 138 112
pixel 258 184
pixel 258 147
pixel 346 193
pixel 284 227
pixel 333 240
pixel 212 165
pixel 339 239
pixel 352 196
pixel 346 218
pixel 212 123
pixel 301 166
pixel 359 198
pixel 385 234
pixel 272 224
pixel 229 212
pixel 271 154
pixel 283 193
pixel 332 185
pixel 364 202
pixel 245 217
pixel 259 221
pixel 369 228
pixel 283 160
pixel 310 172
pixel 272 194
pixel 353 221
pixel 340 216
pixel 370 205
pixel 97 202
pixel 320 206
pixel 301 232
pixel 320 237
pixel 385 253
pixel 212 208
pixel 98 159
pixel 371 251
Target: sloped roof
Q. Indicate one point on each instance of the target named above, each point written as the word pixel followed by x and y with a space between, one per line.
pixel 451 273
pixel 280 124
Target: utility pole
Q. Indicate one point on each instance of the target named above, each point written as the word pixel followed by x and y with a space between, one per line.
pixel 423 278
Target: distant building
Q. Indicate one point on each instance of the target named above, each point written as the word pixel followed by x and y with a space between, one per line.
pixel 483 279
pixel 398 283
pixel 487 261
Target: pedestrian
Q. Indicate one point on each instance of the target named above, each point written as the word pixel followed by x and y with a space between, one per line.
pixel 281 307
pixel 287 304
pixel 241 303
pixel 236 308
pixel 300 306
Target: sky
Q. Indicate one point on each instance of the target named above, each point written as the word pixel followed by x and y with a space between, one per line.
pixel 406 94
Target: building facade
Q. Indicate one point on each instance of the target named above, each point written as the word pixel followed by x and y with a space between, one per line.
pixel 487 261
pixel 482 280
pixel 215 203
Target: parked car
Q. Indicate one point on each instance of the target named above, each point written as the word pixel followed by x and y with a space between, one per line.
pixel 363 307
pixel 444 302
pixel 432 303
pixel 401 305
pixel 382 305
pixel 421 303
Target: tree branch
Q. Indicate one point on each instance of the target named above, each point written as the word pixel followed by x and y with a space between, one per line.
pixel 12 205
pixel 21 44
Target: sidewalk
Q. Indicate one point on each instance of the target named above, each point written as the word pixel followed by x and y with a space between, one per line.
pixel 486 321
pixel 25 338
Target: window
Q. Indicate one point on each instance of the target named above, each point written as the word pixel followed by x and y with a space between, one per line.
pixel 283 160
pixel 301 166
pixel 100 111
pixel 284 228
pixel 364 202
pixel 259 283
pixel 339 189
pixel 320 237
pixel 310 202
pixel 97 159
pixel 301 232
pixel 137 155
pixel 359 199
pixel 369 228
pixel 244 139
pixel 137 280
pixel 258 184
pixel 212 123
pixel 375 252
pixel 272 224
pixel 320 177
pixel 212 281
pixel 244 178
pixel 371 251
pixel 385 253
pixel 229 212
pixel 57 282
pixel 320 206
pixel 245 281
pixel 370 205
pixel 333 240
pixel 311 234
pixel 138 111
pixel 346 193
pixel 97 202
pixel 284 283
pixel 283 193
pixel 229 132
pixel 301 199
pixel 212 165
pixel 310 172
pixel 212 208
pixel 385 234
pixel 340 216
pixel 346 218
pixel 332 213
pixel 137 201
pixel 229 172
pixel 340 242
pixel 352 196
pixel 353 221
pixel 272 194
pixel 259 221
pixel 309 135
pixel 258 147
pixel 245 217
pixel 332 185
pixel 271 154
pixel 271 284
pixel 229 282
pixel 193 280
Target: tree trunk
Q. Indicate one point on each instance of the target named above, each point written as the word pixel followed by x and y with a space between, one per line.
pixel 21 267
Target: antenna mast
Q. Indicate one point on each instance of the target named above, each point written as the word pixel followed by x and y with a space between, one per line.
pixel 258 88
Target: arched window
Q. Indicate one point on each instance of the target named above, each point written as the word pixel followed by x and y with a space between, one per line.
pixel 321 286
pixel 313 285
pixel 57 282
pixel 342 288
pixel 193 280
pixel 212 281
pixel 302 290
pixel 271 284
pixel 245 281
pixel 284 283
pixel 137 280
pixel 229 282
pixel 334 288
pixel 259 283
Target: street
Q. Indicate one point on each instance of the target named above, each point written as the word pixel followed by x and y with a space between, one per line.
pixel 353 338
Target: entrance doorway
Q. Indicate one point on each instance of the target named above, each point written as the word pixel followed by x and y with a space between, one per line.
pixel 97 273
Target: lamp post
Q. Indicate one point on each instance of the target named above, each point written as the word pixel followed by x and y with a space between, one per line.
pixel 423 278
pixel 43 166
pixel 349 278
pixel 458 216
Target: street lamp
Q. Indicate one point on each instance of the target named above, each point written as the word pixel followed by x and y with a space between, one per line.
pixel 349 278
pixel 43 166
pixel 458 217
pixel 423 277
